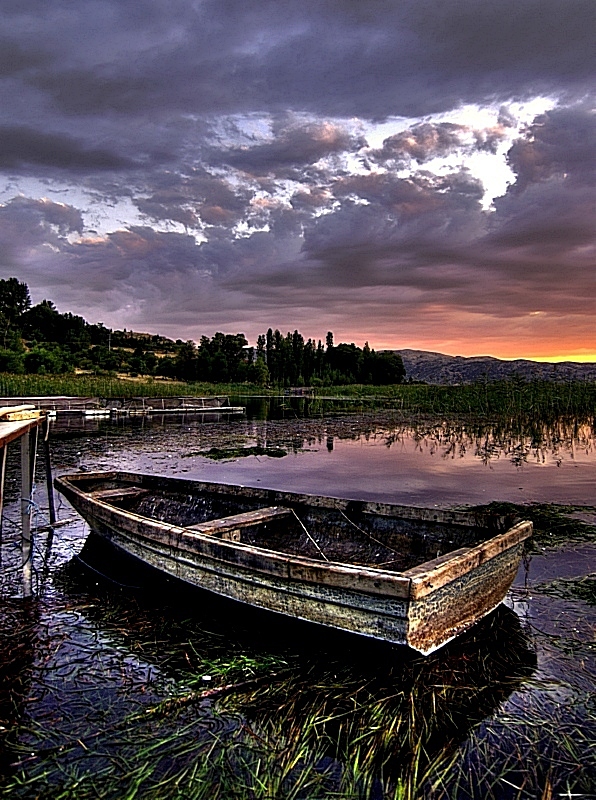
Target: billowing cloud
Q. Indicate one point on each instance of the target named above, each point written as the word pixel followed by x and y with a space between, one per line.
pixel 292 146
pixel 422 142
pixel 560 143
pixel 194 199
pixel 394 171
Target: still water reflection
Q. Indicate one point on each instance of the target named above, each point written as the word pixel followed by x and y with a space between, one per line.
pixel 366 455
pixel 121 684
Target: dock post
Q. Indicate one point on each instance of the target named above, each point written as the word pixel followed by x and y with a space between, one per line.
pixel 26 550
pixel 28 453
pixel 48 465
pixel 3 450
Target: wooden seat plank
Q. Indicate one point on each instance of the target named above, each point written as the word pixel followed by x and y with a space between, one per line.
pixel 244 520
pixel 121 492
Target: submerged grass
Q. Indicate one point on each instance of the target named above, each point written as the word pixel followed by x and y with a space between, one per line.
pixel 309 718
pixel 583 588
pixel 222 453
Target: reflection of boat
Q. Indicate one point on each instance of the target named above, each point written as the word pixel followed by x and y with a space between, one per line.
pixel 392 715
pixel 405 575
pixel 315 694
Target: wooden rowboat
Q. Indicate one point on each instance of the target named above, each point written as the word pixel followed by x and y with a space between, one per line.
pixel 406 575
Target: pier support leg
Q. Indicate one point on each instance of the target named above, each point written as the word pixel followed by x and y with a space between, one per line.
pixel 48 465
pixel 28 453
pixel 2 477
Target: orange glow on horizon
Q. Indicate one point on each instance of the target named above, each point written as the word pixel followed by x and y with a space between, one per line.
pixel 504 353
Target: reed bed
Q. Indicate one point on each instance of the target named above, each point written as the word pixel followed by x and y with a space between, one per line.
pixel 498 398
pixel 509 398
pixel 107 387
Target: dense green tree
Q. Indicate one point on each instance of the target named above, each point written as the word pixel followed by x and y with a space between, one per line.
pixel 258 372
pixel 293 362
pixel 41 339
pixel 48 359
pixel 186 364
pixel 14 299
pixel 12 361
pixel 387 368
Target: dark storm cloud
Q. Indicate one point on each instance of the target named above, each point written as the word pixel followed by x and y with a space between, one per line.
pixel 547 219
pixel 30 219
pixel 143 73
pixel 562 143
pixel 331 58
pixel 238 120
pixel 22 147
pixel 28 224
pixel 14 58
pixel 428 234
pixel 292 146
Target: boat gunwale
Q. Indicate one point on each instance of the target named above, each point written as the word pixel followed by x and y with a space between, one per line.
pixel 466 518
pixel 395 581
pixel 412 584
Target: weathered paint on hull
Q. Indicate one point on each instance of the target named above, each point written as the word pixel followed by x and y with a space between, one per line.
pixel 423 607
pixel 454 607
pixel 369 615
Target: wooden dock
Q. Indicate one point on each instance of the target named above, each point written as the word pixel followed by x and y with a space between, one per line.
pixel 61 404
pixel 21 422
pixel 124 406
pixel 135 406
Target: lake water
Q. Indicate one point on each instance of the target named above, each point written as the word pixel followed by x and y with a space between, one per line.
pixel 89 655
pixel 364 455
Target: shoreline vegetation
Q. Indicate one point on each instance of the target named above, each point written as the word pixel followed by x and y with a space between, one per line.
pixel 40 340
pixel 515 396
pixel 44 352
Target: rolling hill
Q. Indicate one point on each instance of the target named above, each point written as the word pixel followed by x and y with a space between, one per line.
pixel 422 365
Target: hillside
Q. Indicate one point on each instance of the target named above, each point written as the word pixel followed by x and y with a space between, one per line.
pixel 422 365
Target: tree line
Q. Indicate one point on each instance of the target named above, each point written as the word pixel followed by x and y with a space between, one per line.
pixel 39 339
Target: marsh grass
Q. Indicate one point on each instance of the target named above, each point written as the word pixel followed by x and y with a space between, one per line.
pixel 107 387
pixel 515 397
pixel 555 525
pixel 510 398
pixel 224 453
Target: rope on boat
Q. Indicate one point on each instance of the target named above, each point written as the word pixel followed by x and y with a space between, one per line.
pixel 309 536
pixel 370 536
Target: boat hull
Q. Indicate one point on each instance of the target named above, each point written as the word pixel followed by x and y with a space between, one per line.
pixel 423 607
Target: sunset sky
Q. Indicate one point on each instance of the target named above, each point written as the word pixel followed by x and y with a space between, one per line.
pixel 418 174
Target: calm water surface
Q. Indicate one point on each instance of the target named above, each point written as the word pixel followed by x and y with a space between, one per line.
pixel 83 661
pixel 364 456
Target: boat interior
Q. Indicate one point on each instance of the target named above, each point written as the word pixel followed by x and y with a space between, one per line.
pixel 347 533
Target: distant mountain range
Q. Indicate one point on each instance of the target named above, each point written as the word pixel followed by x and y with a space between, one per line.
pixel 438 368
